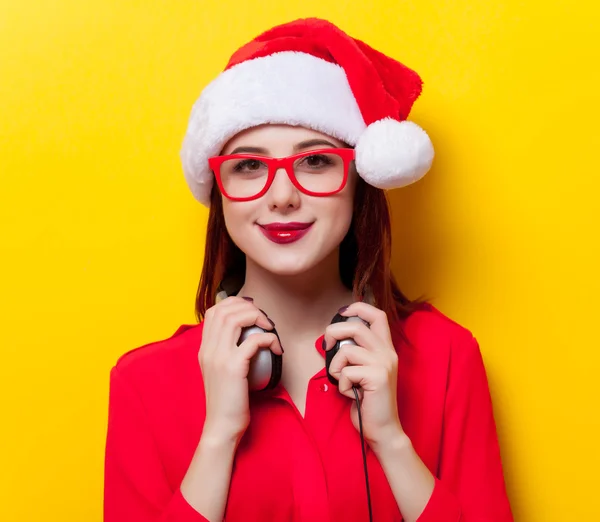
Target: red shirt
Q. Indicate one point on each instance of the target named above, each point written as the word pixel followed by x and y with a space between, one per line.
pixel 290 468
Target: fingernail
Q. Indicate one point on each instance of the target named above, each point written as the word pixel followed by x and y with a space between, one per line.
pixel 248 298
pixel 268 318
pixel 323 344
pixel 342 309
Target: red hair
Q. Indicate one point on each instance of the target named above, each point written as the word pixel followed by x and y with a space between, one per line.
pixel 365 255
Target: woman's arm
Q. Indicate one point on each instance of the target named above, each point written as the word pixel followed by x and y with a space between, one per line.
pixel 470 486
pixel 206 483
pixel 408 477
pixel 135 486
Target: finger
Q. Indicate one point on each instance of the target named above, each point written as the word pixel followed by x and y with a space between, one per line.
pixel 236 363
pixel 359 376
pixel 376 318
pixel 255 342
pixel 237 299
pixel 350 355
pixel 356 330
pixel 226 323
pixel 232 301
pixel 243 313
pixel 219 309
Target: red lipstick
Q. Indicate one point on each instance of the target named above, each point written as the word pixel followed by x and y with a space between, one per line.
pixel 283 233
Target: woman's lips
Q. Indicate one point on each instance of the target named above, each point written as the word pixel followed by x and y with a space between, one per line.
pixel 281 234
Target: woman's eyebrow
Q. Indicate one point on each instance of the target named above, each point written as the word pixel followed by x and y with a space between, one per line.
pixel 311 143
pixel 251 150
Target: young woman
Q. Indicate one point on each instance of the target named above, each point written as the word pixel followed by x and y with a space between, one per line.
pixel 386 418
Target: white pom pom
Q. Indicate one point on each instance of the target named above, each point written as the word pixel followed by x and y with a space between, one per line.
pixel 393 154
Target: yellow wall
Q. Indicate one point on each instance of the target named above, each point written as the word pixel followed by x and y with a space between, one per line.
pixel 101 242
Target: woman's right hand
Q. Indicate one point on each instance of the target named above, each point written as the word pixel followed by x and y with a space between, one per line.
pixel 225 365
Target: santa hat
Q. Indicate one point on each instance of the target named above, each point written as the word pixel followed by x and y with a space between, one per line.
pixel 310 73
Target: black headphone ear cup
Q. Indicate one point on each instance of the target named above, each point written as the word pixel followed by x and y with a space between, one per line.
pixel 276 368
pixel 330 354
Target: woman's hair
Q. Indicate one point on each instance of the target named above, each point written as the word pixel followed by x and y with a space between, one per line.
pixel 364 255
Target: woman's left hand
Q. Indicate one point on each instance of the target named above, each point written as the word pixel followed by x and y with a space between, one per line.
pixel 372 366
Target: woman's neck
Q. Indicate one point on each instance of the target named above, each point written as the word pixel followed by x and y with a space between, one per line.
pixel 298 303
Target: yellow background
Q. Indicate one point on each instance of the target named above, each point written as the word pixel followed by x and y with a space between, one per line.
pixel 101 242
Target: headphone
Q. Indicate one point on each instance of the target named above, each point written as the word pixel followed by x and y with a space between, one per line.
pixel 265 370
pixel 265 366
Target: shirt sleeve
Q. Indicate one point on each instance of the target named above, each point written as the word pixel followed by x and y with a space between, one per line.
pixel 470 485
pixel 135 485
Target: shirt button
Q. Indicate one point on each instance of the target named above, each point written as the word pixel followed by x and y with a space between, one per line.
pixel 324 387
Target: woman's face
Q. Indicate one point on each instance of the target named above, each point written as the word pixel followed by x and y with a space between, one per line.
pixel 248 221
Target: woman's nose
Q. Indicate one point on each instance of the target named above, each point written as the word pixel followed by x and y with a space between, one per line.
pixel 282 193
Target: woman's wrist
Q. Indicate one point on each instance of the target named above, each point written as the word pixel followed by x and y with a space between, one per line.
pixel 220 435
pixel 218 443
pixel 394 442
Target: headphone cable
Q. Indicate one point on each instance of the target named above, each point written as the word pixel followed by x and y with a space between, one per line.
pixel 364 454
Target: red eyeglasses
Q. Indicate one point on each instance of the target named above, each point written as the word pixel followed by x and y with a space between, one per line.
pixel 243 177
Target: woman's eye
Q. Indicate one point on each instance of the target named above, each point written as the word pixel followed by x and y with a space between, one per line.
pixel 317 160
pixel 248 164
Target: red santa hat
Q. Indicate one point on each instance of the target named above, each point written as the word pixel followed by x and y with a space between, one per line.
pixel 310 73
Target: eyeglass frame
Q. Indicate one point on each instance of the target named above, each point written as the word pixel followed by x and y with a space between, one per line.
pixel 287 163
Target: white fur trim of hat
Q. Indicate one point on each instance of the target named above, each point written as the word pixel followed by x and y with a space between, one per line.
pixel 309 73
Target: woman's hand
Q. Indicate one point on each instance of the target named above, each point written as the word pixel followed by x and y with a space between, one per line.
pixel 372 365
pixel 225 365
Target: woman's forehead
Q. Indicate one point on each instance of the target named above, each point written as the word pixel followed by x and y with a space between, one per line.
pixel 275 136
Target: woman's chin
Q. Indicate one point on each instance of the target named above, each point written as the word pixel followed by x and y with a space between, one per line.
pixel 285 264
